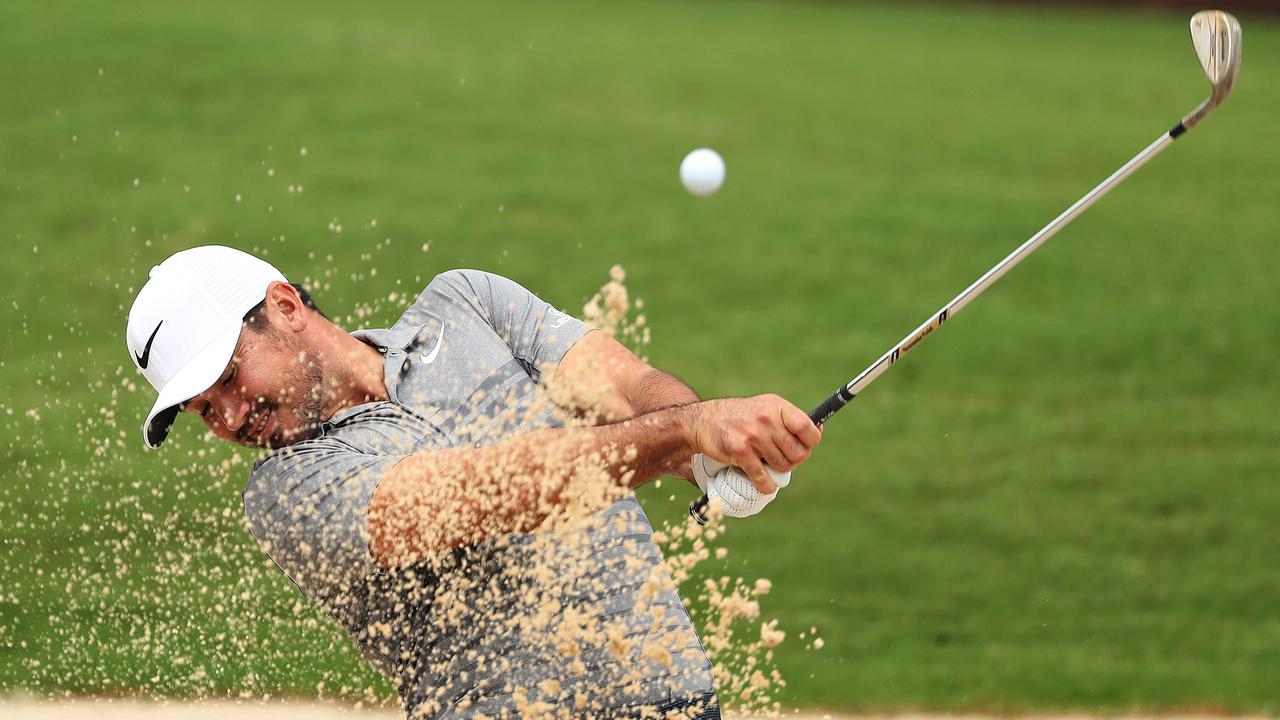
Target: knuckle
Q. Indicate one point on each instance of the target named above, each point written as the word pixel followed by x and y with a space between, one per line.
pixel 757 474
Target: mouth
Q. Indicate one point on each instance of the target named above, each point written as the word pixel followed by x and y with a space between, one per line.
pixel 256 433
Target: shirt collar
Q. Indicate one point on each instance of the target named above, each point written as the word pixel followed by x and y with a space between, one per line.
pixel 388 338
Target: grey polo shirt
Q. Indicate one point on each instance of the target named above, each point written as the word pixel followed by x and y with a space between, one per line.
pixel 514 623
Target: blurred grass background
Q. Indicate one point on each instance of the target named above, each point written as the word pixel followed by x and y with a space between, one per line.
pixel 1066 500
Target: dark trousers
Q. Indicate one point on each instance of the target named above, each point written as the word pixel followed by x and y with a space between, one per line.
pixel 706 707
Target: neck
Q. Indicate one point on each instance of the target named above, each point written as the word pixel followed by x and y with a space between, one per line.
pixel 353 372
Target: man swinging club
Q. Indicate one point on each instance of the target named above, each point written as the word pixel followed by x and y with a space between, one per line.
pixel 416 475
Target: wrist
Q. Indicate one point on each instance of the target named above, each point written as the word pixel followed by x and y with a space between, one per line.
pixel 686 417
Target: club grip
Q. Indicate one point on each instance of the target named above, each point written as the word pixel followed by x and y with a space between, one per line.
pixel 698 509
pixel 823 412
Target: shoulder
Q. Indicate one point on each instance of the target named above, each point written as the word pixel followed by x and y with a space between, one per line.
pixel 307 506
pixel 290 459
pixel 460 288
pixel 464 280
pixel 312 470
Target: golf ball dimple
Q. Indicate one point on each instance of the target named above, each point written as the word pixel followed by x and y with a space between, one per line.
pixel 702 171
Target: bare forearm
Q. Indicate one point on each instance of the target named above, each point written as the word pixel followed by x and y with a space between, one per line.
pixel 601 379
pixel 430 502
pixel 657 390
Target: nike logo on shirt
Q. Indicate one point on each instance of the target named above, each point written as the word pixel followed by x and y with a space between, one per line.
pixel 430 357
pixel 561 319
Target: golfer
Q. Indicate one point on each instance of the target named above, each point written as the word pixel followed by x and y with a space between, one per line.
pixel 420 481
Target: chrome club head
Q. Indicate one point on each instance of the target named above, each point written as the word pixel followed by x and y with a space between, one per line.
pixel 1216 36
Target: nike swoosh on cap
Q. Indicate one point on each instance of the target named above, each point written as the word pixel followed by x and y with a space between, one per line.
pixel 145 357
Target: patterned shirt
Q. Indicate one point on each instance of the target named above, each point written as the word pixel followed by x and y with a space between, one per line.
pixel 482 631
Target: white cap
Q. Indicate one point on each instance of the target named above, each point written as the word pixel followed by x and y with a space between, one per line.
pixel 184 324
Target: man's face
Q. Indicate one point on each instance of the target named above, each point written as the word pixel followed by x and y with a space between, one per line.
pixel 269 396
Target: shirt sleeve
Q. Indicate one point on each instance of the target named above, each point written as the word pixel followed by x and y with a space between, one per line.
pixel 537 333
pixel 308 507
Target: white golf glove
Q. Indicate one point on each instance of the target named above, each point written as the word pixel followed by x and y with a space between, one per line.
pixel 738 496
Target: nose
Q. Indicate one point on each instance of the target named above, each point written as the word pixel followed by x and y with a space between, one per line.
pixel 229 412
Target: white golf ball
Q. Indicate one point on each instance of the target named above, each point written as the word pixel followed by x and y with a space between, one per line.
pixel 702 171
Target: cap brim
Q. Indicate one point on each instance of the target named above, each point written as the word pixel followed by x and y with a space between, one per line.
pixel 192 379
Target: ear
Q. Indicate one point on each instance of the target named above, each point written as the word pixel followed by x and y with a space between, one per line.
pixel 287 307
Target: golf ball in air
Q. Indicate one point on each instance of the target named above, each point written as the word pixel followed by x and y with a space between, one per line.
pixel 702 171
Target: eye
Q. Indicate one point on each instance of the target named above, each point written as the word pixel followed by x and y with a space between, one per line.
pixel 230 377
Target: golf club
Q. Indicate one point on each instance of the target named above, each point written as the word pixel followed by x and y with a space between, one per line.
pixel 1216 37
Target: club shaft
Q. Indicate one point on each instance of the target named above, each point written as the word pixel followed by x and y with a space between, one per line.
pixel 894 354
pixel 842 396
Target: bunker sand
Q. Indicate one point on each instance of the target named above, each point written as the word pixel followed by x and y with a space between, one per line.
pixel 89 709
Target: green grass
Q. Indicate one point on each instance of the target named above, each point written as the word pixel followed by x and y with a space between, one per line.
pixel 1065 500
